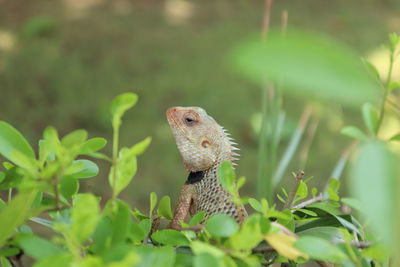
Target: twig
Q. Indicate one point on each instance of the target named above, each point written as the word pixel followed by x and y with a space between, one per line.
pixel 266 19
pixel 301 205
pixel 284 21
pixel 299 177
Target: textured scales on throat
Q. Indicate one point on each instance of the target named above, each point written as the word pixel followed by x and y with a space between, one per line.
pixel 203 144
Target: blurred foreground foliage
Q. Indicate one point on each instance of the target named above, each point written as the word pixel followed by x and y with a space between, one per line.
pixel 44 185
pixel 311 226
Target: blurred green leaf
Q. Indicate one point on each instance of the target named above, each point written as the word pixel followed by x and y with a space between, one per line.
pixel 250 234
pixel 221 225
pixel 354 132
pixel 59 260
pixel 333 189
pixel 256 205
pixel 85 216
pixel 83 168
pixel 328 233
pixel 373 181
pixel 320 249
pixel 11 141
pixel 206 259
pixel 309 65
pixel 164 208
pixel 153 202
pixel 77 137
pixel 37 247
pixel 92 145
pixel 197 218
pixel 139 231
pixel 170 237
pixel 371 118
pixel 125 170
pixel 120 105
pixel 155 256
pixel 9 252
pixel 121 223
pixel 15 213
pixel 395 137
pixel 393 85
pixel 140 147
pixel 226 175
pixel 69 186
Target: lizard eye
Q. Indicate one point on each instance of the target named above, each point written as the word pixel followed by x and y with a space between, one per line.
pixel 189 121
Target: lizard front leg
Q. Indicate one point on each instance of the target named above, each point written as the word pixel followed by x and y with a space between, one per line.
pixel 182 207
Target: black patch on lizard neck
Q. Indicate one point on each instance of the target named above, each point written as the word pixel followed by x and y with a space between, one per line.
pixel 195 177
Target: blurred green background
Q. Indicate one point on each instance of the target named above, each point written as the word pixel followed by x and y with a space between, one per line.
pixel 62 62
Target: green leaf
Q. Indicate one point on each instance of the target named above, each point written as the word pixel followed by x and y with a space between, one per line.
pixel 69 186
pixel 393 85
pixel 170 237
pixel 154 256
pixel 15 213
pixel 85 216
pixel 120 105
pixel 164 208
pixel 139 231
pixel 373 181
pixel 126 170
pixel 320 249
pixel 206 259
pixel 308 212
pixel 121 223
pixel 352 202
pixel 302 191
pixel 83 168
pixel 9 252
pixel 256 205
pixel 226 175
pixel 37 247
pixel 4 262
pixel 221 225
pixel 77 137
pixel 197 218
pixel 250 234
pixel 153 202
pixel 92 145
pixel 333 188
pixel 354 132
pixel 371 118
pixel 59 260
pixel 14 146
pixel 140 147
pixel 328 233
pixel 309 65
pixel 395 137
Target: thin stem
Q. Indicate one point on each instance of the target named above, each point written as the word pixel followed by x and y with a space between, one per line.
pixel 292 194
pixel 313 200
pixel 386 92
pixel 10 191
pixel 114 161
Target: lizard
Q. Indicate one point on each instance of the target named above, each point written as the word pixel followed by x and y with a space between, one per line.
pixel 203 145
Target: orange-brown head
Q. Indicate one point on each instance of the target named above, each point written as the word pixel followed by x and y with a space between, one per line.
pixel 201 141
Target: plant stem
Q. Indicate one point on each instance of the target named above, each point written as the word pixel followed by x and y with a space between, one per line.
pixel 301 205
pixel 114 161
pixel 263 183
pixel 386 92
pixel 292 194
pixel 10 194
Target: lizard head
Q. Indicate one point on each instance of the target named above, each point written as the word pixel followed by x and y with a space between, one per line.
pixel 201 141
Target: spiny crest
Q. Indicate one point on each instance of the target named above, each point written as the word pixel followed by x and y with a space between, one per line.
pixel 230 147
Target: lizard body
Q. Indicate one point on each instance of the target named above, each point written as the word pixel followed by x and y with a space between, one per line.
pixel 203 144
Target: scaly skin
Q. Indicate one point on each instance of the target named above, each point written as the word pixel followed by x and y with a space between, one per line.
pixel 203 144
